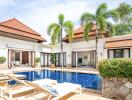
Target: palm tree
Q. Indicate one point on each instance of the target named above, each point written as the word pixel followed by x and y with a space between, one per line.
pixel 55 30
pixel 100 21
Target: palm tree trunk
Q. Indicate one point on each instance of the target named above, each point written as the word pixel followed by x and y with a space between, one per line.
pixel 96 54
pixel 61 48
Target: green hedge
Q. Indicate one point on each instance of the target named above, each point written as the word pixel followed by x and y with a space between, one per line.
pixel 116 68
pixel 2 59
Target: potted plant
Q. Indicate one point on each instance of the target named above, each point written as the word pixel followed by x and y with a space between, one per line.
pixel 2 61
pixel 53 60
pixel 37 60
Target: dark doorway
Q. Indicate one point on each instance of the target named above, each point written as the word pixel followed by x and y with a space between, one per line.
pixel 25 57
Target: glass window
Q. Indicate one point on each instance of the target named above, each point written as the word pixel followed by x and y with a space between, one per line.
pixel 17 56
pixel 118 53
pixel 126 53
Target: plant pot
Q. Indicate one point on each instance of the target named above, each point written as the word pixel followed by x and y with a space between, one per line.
pixel 37 65
pixel 52 65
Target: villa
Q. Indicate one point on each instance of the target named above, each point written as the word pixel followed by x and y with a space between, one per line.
pixel 81 53
pixel 20 44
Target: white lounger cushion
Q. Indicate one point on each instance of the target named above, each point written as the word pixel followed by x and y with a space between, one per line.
pixel 65 88
pixel 45 82
pixel 22 89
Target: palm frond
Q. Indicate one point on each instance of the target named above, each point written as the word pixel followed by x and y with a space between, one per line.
pixel 111 29
pixel 54 35
pixel 86 18
pixel 101 9
pixel 112 14
pixel 101 24
pixel 51 28
pixel 68 27
pixel 61 19
pixel 87 29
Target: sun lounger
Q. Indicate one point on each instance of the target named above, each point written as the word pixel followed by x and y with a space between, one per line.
pixel 12 91
pixel 59 90
pixel 45 82
pixel 38 95
pixel 66 88
pixel 19 91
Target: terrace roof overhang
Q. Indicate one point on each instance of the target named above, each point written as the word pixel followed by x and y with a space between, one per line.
pixel 119 42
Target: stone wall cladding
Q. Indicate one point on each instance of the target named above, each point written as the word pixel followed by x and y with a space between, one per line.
pixel 117 88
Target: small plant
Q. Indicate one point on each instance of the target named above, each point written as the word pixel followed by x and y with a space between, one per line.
pixel 53 58
pixel 2 60
pixel 37 60
pixel 118 67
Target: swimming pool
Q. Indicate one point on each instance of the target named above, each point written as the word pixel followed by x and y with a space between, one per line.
pixel 90 81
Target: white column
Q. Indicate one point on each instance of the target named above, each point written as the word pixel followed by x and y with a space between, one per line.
pixel 21 57
pixel 48 59
pixel 33 56
pixel 76 59
pixel 45 59
pixel 29 58
pixel 9 59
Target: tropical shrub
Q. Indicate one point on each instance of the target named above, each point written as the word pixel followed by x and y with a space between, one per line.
pixel 118 67
pixel 53 58
pixel 2 60
pixel 37 60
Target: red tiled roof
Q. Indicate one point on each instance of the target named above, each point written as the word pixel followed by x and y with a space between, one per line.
pixel 80 29
pixel 119 42
pixel 78 33
pixel 123 37
pixel 15 27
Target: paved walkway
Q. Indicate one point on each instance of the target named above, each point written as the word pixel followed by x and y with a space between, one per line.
pixel 86 97
pixel 82 70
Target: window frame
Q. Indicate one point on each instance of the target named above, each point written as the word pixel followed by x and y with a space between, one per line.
pixel 122 50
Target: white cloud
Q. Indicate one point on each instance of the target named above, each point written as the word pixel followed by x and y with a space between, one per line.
pixel 38 14
pixel 40 17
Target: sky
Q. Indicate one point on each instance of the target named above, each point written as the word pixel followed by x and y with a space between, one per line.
pixel 38 14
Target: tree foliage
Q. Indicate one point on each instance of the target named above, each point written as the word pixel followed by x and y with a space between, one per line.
pixel 55 30
pixel 100 18
pixel 124 23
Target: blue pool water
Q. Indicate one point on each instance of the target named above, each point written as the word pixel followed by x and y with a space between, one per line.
pixel 91 81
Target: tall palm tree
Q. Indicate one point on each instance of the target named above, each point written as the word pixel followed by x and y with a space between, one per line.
pixel 100 20
pixel 55 30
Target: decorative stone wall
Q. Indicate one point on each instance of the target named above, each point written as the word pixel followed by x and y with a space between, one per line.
pixel 117 88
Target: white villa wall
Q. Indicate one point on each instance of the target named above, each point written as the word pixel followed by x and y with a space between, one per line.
pixel 10 43
pixel 82 46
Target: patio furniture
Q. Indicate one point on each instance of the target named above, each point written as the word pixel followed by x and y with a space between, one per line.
pixel 45 82
pixel 36 95
pixel 66 88
pixel 15 63
pixel 22 90
pixel 14 91
pixel 58 91
pixel 3 86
